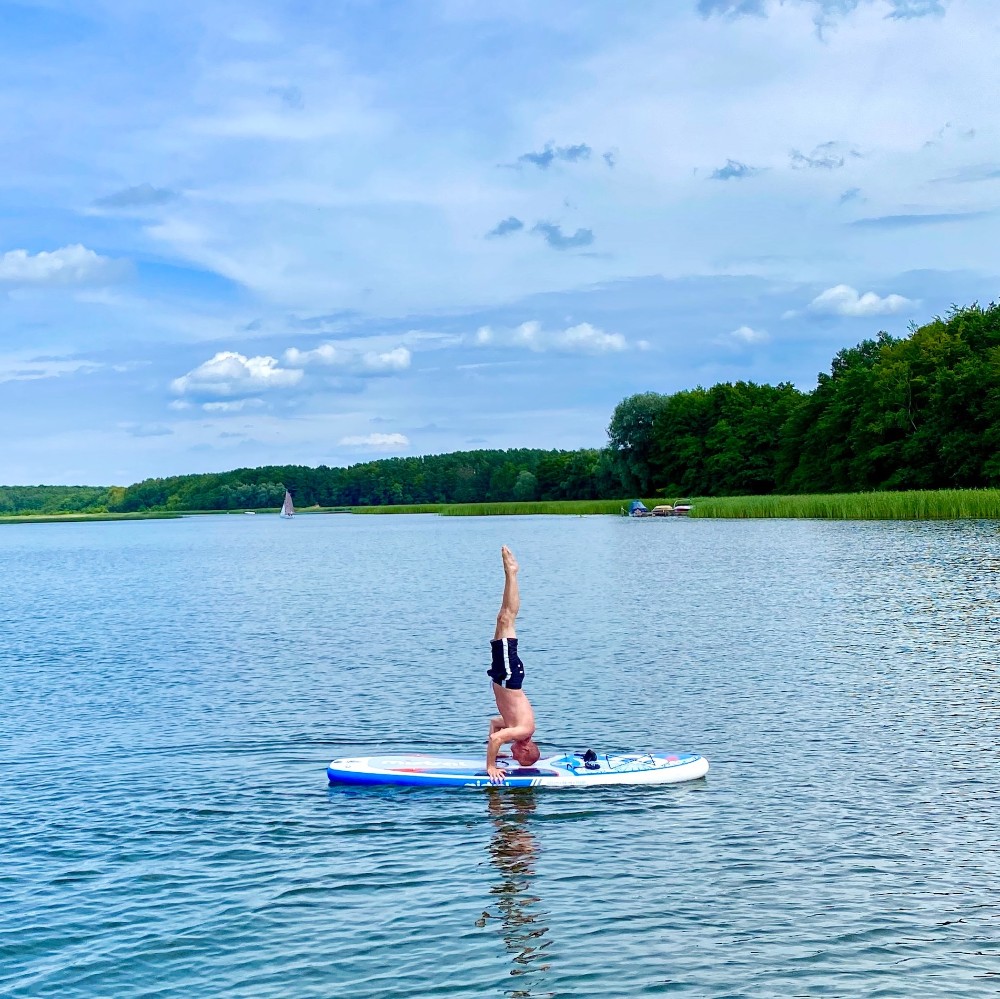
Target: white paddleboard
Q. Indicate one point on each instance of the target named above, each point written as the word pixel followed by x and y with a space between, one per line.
pixel 564 770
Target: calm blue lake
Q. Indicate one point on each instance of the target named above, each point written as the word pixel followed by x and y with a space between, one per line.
pixel 171 692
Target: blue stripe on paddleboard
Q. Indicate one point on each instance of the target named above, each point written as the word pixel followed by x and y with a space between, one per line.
pixel 421 780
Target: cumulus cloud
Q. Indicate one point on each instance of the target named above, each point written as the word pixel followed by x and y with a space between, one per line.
pixel 378 442
pixel 568 154
pixel 843 300
pixel 580 339
pixel 397 359
pixel 554 236
pixel 505 227
pixel 590 340
pixel 140 196
pixel 69 265
pixel 325 354
pixel 353 361
pixel 233 406
pixel 231 375
pixel 826 156
pixel 745 336
pixel 734 170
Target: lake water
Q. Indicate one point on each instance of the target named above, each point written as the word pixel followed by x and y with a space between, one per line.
pixel 171 691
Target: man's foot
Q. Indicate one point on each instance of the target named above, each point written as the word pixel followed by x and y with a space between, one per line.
pixel 510 565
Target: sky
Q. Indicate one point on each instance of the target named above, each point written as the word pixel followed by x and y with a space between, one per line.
pixel 326 231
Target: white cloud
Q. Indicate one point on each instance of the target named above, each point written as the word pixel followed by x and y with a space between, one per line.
pixel 232 407
pixel 527 334
pixel 580 339
pixel 371 361
pixel 843 300
pixel 745 336
pixel 397 359
pixel 380 442
pixel 590 340
pixel 229 373
pixel 325 354
pixel 69 265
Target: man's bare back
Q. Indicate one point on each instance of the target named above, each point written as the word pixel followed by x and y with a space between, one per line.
pixel 516 721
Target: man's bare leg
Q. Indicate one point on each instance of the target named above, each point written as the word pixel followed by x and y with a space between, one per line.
pixel 511 603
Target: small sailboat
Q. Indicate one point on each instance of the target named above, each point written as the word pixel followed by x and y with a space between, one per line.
pixel 287 510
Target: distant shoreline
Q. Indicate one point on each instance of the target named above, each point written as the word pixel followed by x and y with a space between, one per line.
pixel 913 505
pixel 69 518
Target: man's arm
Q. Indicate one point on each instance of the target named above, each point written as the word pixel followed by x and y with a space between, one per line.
pixel 496 740
pixel 496 724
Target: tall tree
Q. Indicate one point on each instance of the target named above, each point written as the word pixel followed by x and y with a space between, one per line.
pixel 631 437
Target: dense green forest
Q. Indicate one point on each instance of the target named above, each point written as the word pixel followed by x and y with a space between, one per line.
pixel 914 412
pixel 460 477
pixel 53 499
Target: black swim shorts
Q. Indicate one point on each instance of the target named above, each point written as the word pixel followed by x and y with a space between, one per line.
pixel 499 672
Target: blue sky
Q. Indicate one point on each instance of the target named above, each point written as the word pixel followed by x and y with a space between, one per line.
pixel 321 232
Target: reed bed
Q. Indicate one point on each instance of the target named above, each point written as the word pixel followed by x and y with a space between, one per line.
pixel 401 508
pixel 930 504
pixel 563 507
pixel 71 518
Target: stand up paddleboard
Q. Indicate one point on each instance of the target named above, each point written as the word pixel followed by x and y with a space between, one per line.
pixel 568 770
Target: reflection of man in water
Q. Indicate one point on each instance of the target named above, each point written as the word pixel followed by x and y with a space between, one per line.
pixel 514 851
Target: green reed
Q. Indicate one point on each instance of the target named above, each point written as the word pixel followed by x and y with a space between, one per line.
pixel 917 504
pixel 70 518
pixel 564 507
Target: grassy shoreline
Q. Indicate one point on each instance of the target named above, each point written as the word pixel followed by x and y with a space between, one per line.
pixel 939 504
pixel 930 504
pixel 72 518
pixel 557 507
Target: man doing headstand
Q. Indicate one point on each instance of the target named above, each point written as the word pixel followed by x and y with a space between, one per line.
pixel 516 722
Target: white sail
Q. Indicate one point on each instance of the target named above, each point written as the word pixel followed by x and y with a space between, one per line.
pixel 287 510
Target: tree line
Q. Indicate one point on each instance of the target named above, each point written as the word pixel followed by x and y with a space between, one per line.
pixel 53 499
pixel 459 477
pixel 914 412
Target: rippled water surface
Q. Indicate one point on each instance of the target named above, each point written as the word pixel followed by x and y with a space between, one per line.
pixel 170 693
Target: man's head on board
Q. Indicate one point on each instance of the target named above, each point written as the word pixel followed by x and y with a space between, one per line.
pixel 525 752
